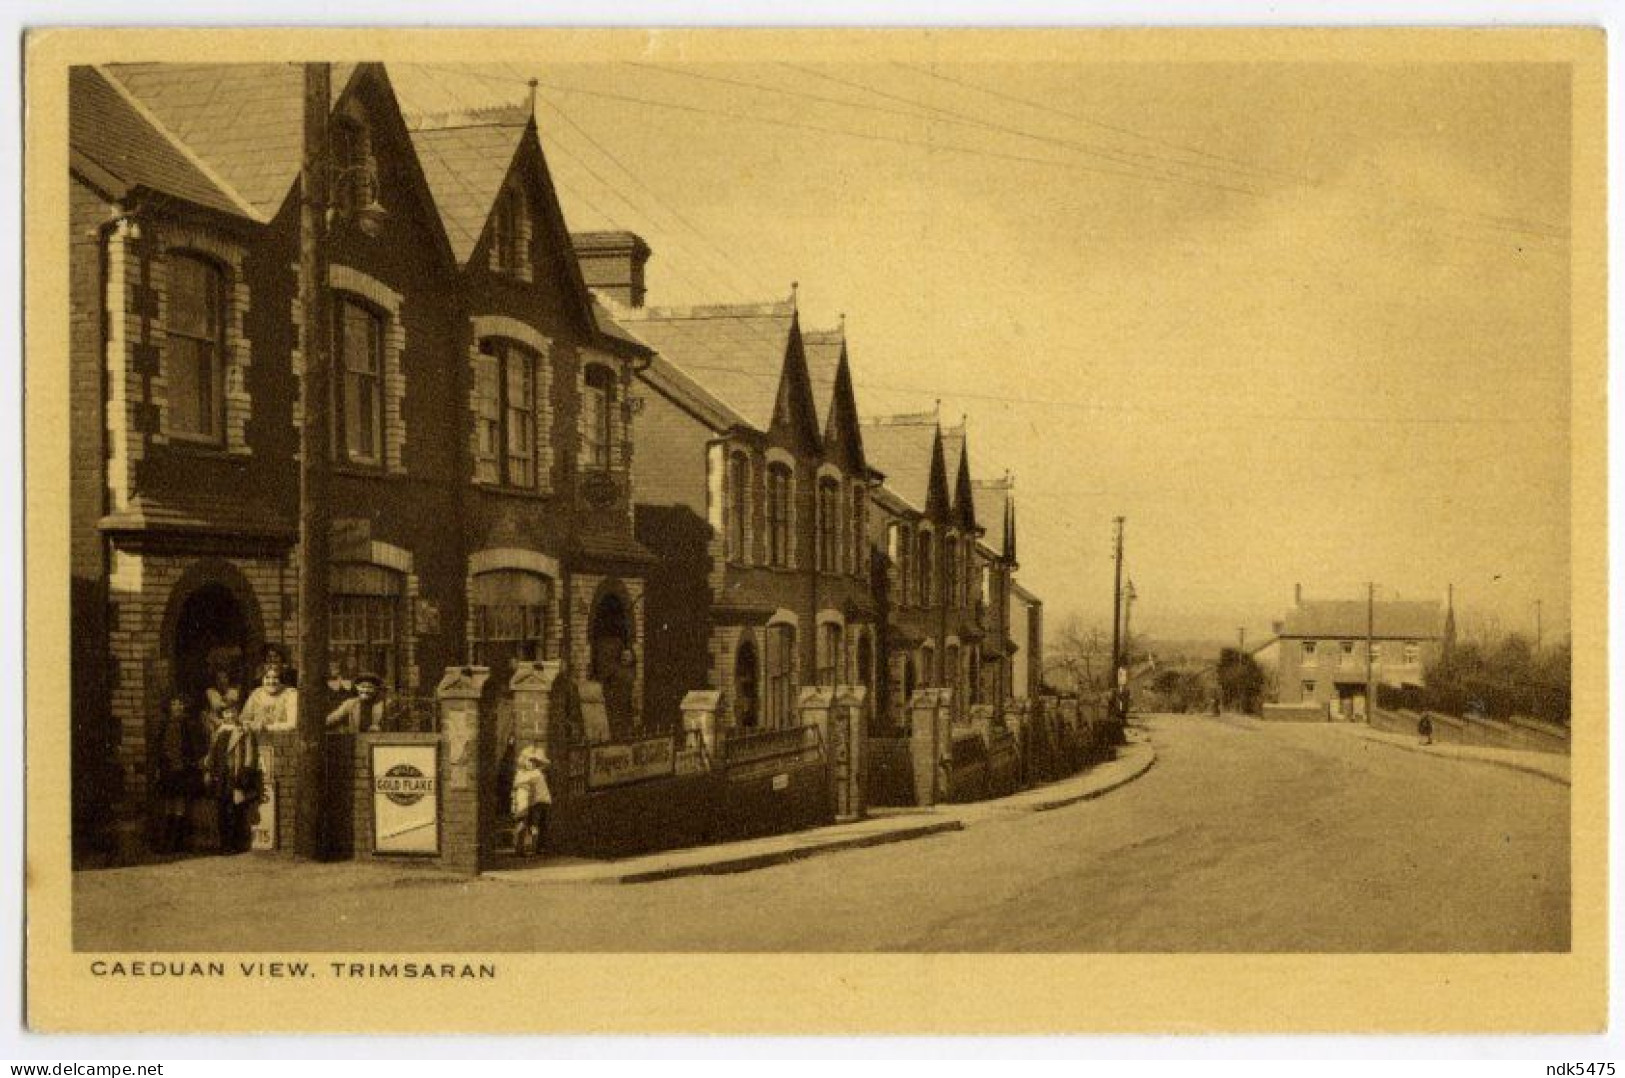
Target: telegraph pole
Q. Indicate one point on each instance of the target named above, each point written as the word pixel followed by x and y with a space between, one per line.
pixel 1129 595
pixel 1370 634
pixel 314 453
pixel 1117 608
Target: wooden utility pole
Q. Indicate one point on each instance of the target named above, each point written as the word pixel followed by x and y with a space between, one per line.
pixel 314 453
pixel 1117 608
pixel 1370 636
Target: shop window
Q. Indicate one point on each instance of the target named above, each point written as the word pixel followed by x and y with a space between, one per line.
pixel 366 621
pixel 512 617
pixel 195 345
pixel 360 364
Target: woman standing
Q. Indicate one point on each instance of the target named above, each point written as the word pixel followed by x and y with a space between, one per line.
pixel 272 706
pixel 181 743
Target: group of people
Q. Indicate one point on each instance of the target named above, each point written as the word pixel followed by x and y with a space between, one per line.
pixel 209 751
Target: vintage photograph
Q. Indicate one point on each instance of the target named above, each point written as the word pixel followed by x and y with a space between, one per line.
pixel 922 502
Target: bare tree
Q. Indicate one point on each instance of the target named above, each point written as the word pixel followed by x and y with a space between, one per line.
pixel 1078 656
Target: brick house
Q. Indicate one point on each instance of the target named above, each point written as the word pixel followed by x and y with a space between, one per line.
pixel 754 496
pixel 1322 649
pixel 995 568
pixel 966 630
pixel 1027 630
pixel 462 529
pixel 912 515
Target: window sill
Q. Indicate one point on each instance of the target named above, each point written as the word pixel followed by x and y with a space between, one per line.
pixel 502 491
pixel 203 450
pixel 361 471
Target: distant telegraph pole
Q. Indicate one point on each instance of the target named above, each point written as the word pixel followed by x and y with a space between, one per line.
pixel 1117 609
pixel 314 450
pixel 1370 636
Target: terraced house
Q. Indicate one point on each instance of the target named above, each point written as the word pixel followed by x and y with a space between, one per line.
pixel 752 487
pixel 482 419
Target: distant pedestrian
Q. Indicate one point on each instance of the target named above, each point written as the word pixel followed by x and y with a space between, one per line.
pixel 182 741
pixel 1424 728
pixel 531 800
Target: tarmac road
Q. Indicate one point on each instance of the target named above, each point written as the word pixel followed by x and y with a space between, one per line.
pixel 1245 837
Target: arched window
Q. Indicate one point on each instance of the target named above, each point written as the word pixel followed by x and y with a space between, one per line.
pixel 360 385
pixel 512 614
pixel 829 526
pixel 738 501
pixel 366 621
pixel 950 571
pixel 508 229
pixel 195 346
pixel 781 675
pixel 746 708
pixel 505 414
pixel 597 404
pixel 860 536
pixel 925 570
pixel 778 515
pixel 829 654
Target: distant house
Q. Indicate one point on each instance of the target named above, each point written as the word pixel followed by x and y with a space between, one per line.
pixel 1323 649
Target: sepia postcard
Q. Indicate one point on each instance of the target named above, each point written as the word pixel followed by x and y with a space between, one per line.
pixel 840 532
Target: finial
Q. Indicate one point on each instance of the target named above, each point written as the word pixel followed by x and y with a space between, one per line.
pixel 843 322
pixel 532 83
pixel 795 292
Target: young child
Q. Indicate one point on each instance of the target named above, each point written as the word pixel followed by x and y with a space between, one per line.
pixel 531 798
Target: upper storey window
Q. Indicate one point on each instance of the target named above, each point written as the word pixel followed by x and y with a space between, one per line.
pixel 195 321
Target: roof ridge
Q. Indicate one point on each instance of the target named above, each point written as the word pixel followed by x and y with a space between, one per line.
pixel 902 419
pixel 483 116
pixel 183 148
pixel 712 311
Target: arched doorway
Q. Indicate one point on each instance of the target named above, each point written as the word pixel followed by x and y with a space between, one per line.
pixel 211 631
pixel 746 671
pixel 610 639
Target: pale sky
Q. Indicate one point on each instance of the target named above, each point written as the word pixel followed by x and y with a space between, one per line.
pixel 1298 323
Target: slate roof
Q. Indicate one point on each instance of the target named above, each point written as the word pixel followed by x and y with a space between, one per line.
pixel 246 120
pixel 1023 594
pixel 1344 619
pixel 823 351
pixel 901 447
pixel 993 501
pixel 106 127
pixel 734 354
pixel 465 160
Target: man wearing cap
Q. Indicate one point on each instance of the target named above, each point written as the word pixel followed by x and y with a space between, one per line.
pixel 363 713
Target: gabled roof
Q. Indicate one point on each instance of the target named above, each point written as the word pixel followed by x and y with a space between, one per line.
pixel 245 120
pixel 466 159
pixel 995 499
pixel 111 130
pixel 956 454
pixel 1024 595
pixel 1345 619
pixel 736 355
pixel 908 448
pixel 824 348
pixel 829 369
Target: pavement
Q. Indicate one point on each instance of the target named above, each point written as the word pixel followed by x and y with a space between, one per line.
pixel 1244 838
pixel 1547 765
pixel 882 827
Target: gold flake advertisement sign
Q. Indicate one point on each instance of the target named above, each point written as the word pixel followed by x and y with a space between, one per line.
pixel 406 798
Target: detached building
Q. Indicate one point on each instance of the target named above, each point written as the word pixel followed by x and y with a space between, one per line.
pixel 1323 647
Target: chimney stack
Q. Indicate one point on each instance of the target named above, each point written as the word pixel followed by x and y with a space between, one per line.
pixel 612 264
